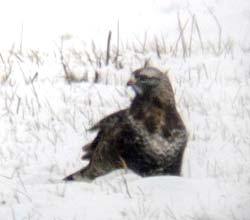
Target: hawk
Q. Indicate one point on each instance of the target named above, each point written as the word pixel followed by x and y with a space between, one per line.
pixel 148 138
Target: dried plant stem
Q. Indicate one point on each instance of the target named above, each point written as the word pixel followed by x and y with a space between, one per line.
pixel 183 42
pixel 118 45
pixel 108 48
pixel 182 28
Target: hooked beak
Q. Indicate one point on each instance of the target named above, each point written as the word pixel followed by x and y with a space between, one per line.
pixel 131 82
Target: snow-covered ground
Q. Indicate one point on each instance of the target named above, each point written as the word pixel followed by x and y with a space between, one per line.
pixel 54 84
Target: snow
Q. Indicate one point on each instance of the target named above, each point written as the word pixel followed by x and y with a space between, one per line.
pixel 44 117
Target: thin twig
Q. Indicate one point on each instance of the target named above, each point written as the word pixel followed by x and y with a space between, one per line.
pixel 183 42
pixel 108 48
pixel 199 34
pixel 191 36
pixel 219 30
pixel 177 42
pixel 118 45
pixel 18 104
pixel 157 48
pixel 21 41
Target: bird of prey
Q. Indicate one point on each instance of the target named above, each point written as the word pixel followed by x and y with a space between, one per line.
pixel 148 138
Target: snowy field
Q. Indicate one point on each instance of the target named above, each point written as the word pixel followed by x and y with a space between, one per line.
pixel 56 80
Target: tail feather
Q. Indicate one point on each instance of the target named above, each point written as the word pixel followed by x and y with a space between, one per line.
pixel 69 178
pixel 88 149
pixel 80 175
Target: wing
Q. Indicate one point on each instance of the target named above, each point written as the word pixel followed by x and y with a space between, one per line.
pixel 110 120
pixel 104 152
pixel 105 126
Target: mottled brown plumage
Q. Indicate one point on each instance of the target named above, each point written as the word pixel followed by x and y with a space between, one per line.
pixel 148 138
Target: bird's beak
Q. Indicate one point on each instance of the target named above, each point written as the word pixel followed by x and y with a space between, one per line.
pixel 131 82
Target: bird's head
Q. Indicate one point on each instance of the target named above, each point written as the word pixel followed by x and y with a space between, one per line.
pixel 143 81
pixel 150 82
